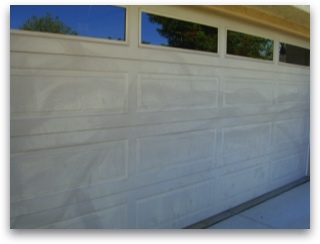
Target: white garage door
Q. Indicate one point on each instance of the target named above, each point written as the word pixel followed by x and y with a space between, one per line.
pixel 123 134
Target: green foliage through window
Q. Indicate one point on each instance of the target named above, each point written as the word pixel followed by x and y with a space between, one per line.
pixel 98 21
pixel 245 45
pixel 180 34
pixel 47 24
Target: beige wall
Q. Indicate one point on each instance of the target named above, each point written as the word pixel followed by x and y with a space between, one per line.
pixel 110 135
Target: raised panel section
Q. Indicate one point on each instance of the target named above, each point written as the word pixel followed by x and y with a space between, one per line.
pixel 247 92
pixel 25 214
pixel 112 218
pixel 67 168
pixel 288 166
pixel 291 130
pixel 239 182
pixel 173 205
pixel 245 137
pixel 165 92
pixel 163 151
pixel 293 92
pixel 49 92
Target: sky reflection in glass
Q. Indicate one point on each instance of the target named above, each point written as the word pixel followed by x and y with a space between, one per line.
pixel 99 21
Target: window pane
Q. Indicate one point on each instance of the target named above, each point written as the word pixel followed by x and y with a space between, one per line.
pixel 293 54
pixel 84 20
pixel 249 46
pixel 163 31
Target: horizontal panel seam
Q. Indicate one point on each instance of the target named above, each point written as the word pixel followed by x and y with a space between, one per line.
pixel 156 124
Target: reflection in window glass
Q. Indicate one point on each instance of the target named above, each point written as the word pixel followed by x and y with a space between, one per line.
pixel 163 31
pixel 249 46
pixel 84 20
pixel 293 54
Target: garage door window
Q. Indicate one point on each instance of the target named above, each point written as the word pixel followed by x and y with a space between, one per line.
pixel 169 32
pixel 107 22
pixel 245 45
pixel 293 54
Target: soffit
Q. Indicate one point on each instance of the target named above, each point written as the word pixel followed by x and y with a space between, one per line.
pixel 289 18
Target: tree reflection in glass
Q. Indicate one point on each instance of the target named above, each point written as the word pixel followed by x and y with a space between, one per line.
pixel 245 45
pixel 164 31
pixel 99 21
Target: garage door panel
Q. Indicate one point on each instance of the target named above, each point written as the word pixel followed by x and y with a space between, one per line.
pixel 247 92
pixel 241 182
pixel 288 166
pixel 236 183
pixel 76 198
pixel 164 92
pixel 168 150
pixel 246 137
pixel 154 210
pixel 175 196
pixel 68 212
pixel 55 93
pixel 178 171
pixel 293 92
pixel 291 130
pixel 49 171
pixel 244 142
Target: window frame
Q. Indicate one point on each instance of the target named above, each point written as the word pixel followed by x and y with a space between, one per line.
pixel 291 64
pixel 85 38
pixel 168 48
pixel 250 33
